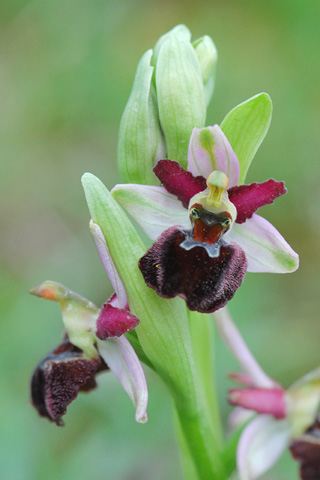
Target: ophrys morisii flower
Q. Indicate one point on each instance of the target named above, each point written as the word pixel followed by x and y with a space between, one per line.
pixel 206 230
pixel 93 341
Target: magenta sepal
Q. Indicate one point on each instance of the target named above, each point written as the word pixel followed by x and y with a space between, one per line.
pixel 114 322
pixel 262 400
pixel 246 198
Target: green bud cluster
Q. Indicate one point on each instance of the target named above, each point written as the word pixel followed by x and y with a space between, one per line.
pixel 172 87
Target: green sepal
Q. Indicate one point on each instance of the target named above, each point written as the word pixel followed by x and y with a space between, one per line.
pixel 180 94
pixel 208 56
pixel 141 142
pixel 245 126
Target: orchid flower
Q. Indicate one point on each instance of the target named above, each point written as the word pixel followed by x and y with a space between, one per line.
pixel 283 414
pixel 94 341
pixel 205 226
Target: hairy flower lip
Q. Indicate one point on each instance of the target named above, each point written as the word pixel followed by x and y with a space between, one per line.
pixel 58 378
pixel 205 282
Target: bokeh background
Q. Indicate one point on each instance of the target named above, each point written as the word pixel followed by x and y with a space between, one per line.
pixel 66 69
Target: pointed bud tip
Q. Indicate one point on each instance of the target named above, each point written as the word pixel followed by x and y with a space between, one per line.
pixel 48 290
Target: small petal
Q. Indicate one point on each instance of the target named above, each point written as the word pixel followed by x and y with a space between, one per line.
pixel 262 400
pixel 236 344
pixel 124 363
pixel 179 181
pixel 206 282
pixel 209 149
pixel 265 249
pixel 248 198
pixel 261 445
pixel 306 450
pixel 114 322
pixel 153 208
pixel 108 264
pixel 58 378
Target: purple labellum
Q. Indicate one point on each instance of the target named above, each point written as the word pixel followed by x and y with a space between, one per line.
pixel 178 181
pixel 248 198
pixel 206 282
pixel 58 378
pixel 306 450
pixel 114 322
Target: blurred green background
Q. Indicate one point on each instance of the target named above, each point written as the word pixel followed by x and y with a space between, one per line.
pixel 66 69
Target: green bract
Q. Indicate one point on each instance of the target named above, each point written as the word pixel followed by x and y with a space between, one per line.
pixel 172 87
pixel 141 141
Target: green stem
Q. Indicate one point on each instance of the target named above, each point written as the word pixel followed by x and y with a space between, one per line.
pixel 202 336
pixel 204 452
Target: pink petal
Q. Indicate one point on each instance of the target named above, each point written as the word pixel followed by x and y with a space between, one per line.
pixel 209 149
pixel 261 400
pixel 114 322
pixel 178 181
pixel 260 446
pixel 248 198
pixel 107 262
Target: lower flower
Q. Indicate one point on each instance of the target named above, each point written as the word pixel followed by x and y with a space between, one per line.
pixel 94 341
pixel 277 418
